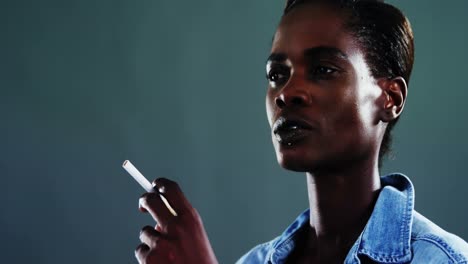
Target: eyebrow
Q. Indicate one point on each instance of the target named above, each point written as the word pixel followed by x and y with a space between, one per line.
pixel 277 57
pixel 319 51
pixel 325 51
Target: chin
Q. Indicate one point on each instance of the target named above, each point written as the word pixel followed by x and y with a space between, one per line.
pixel 296 163
pixel 301 156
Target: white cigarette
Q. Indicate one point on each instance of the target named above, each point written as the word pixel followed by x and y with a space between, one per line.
pixel 136 174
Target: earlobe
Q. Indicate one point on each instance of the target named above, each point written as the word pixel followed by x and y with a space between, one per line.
pixel 395 91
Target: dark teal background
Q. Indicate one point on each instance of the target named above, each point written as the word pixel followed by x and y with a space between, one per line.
pixel 178 88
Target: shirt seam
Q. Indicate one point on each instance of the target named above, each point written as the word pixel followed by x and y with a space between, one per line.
pixel 404 234
pixel 280 245
pixel 442 245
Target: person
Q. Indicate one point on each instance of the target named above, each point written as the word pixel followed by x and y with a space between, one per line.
pixel 338 75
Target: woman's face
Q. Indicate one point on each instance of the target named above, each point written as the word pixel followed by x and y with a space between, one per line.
pixel 322 102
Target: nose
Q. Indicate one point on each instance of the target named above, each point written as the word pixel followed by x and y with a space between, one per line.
pixel 291 96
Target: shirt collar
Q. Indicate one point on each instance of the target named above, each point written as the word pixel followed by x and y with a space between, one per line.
pixel 285 243
pixel 387 235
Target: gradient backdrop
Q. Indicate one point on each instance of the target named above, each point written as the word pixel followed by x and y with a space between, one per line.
pixel 178 88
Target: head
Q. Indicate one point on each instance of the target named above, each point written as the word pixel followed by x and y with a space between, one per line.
pixel 338 75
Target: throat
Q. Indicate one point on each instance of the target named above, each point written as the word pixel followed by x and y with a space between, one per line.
pixel 308 250
pixel 340 207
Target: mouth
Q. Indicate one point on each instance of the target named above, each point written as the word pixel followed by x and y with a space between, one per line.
pixel 289 130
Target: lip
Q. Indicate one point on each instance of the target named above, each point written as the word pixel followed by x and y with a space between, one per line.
pixel 282 122
pixel 289 130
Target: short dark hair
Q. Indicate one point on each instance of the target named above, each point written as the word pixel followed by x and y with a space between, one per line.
pixel 386 37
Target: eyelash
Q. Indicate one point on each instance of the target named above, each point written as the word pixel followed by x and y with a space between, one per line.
pixel 280 74
pixel 323 70
pixel 322 73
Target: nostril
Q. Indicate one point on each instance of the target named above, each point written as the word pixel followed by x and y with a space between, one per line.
pixel 280 103
pixel 297 101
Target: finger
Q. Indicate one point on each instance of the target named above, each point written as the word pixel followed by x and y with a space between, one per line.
pixel 152 203
pixel 173 194
pixel 149 236
pixel 163 253
pixel 143 210
pixel 158 228
pixel 141 252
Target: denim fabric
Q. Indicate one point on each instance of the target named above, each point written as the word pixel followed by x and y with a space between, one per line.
pixel 395 233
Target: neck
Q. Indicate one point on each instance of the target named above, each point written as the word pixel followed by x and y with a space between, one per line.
pixel 341 203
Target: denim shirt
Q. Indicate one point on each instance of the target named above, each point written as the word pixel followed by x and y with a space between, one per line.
pixel 395 233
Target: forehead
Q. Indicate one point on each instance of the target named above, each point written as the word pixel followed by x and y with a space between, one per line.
pixel 312 25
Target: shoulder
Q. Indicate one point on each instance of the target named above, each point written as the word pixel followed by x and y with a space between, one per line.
pixel 258 254
pixel 430 240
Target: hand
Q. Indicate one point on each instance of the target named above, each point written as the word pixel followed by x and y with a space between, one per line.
pixel 176 239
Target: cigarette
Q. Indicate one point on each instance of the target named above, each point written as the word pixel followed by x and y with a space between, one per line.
pixel 136 174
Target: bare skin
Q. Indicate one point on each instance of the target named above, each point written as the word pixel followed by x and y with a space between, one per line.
pixel 328 116
pixel 176 239
pixel 318 79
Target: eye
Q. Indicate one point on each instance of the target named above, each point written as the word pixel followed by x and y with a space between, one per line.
pixel 323 71
pixel 277 75
pixel 274 76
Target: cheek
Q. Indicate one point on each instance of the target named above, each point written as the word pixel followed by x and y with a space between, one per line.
pixel 270 107
pixel 346 120
pixel 366 109
pixel 355 104
pixel 367 93
pixel 353 122
pixel 370 104
pixel 342 116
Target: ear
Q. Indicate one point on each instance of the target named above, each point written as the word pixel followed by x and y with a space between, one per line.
pixel 394 92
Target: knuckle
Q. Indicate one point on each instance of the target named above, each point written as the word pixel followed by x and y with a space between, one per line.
pixel 164 184
pixel 140 249
pixel 149 236
pixel 143 233
pixel 145 199
pixel 144 196
pixel 142 201
pixel 146 229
